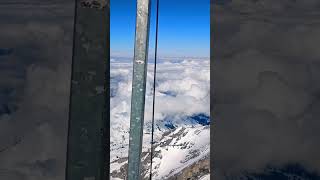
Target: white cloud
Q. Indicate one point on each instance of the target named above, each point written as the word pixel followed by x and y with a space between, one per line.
pixel 182 89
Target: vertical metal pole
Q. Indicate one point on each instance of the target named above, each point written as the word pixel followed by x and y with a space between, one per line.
pixel 138 88
pixel 87 136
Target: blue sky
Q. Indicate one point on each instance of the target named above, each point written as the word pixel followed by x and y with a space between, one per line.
pixel 184 27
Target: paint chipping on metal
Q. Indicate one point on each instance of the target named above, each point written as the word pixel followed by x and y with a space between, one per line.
pixel 99 89
pixel 97 4
pixel 140 61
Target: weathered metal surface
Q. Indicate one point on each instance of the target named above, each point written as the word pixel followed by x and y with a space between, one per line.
pixel 87 142
pixel 138 88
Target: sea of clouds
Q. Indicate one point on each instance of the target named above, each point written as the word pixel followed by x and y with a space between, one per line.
pixel 266 85
pixel 182 90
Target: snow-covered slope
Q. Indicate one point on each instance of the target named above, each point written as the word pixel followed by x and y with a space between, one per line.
pixel 181 117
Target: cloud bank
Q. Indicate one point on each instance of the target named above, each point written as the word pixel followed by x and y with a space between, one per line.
pixel 265 77
pixel 182 90
pixel 34 88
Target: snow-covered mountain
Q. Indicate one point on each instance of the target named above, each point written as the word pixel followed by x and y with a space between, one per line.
pixel 182 122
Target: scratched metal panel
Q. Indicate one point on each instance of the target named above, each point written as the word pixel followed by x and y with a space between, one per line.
pixel 87 143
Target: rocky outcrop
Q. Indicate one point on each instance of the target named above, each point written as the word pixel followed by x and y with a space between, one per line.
pixel 195 171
